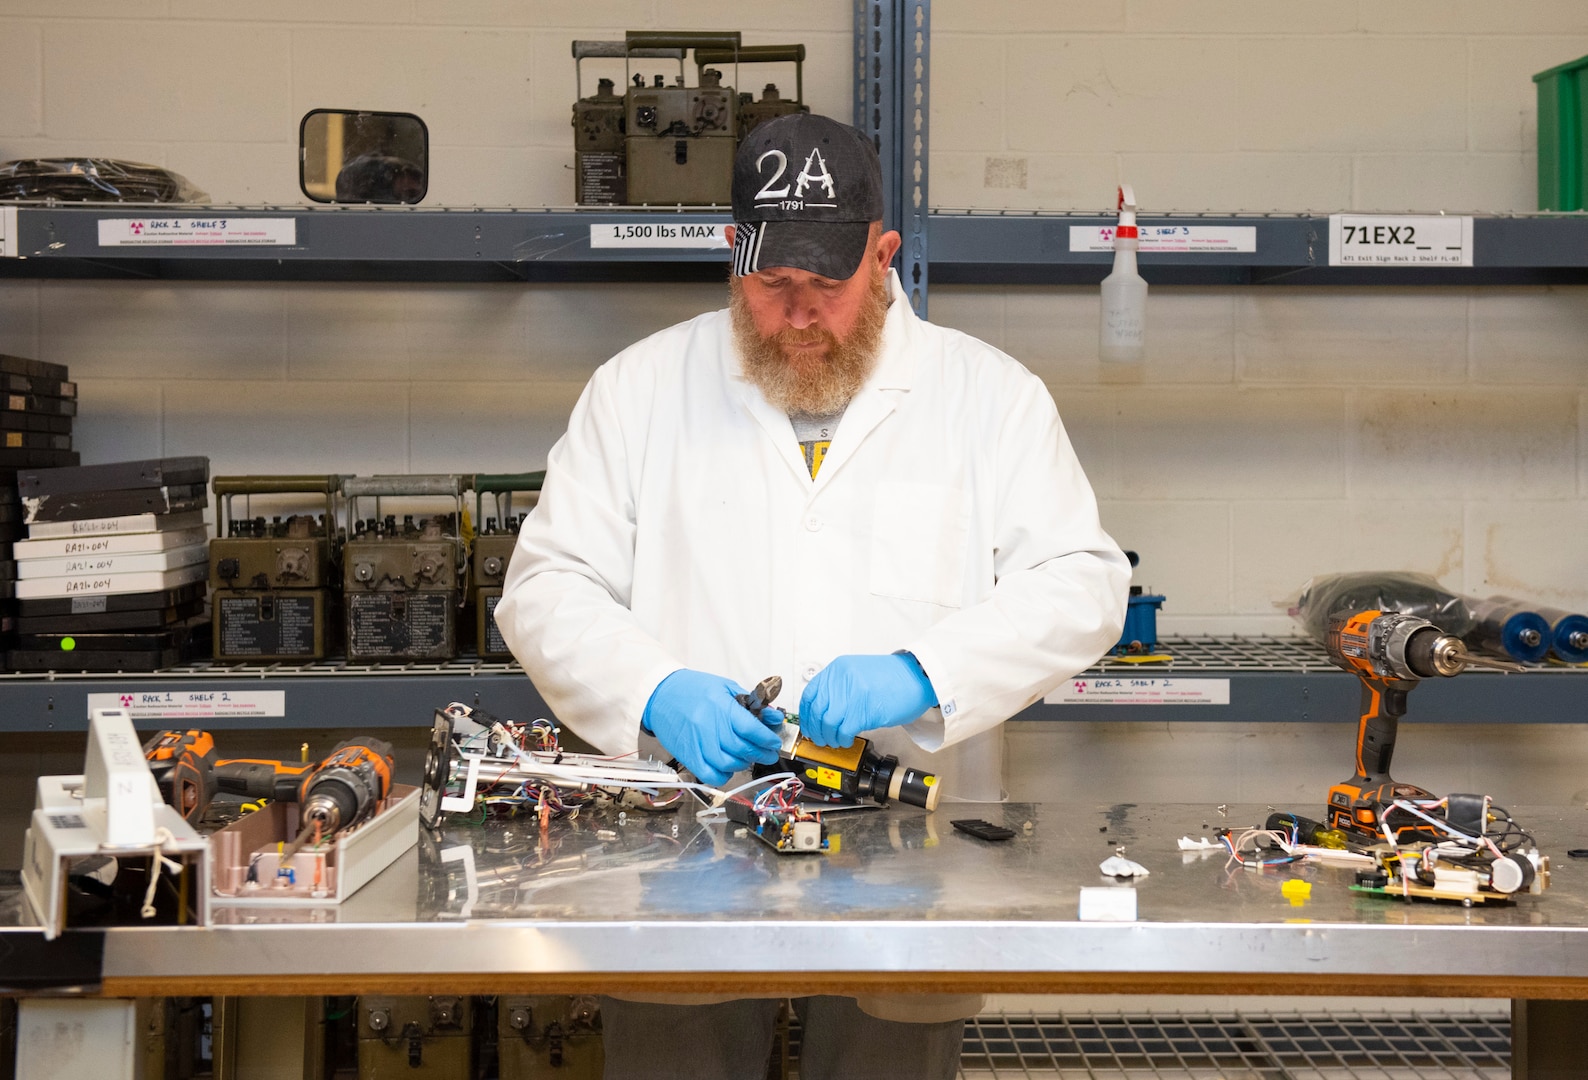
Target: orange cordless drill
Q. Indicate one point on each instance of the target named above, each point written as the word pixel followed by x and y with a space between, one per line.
pixel 342 790
pixel 1390 653
pixel 261 778
pixel 183 763
pixel 190 776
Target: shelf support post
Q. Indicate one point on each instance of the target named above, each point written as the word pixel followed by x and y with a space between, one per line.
pixel 892 106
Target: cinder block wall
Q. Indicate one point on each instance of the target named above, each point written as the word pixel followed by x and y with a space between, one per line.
pixel 1273 432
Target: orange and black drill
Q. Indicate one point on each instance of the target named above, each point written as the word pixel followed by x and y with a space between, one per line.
pixel 190 776
pixel 339 788
pixel 183 763
pixel 261 778
pixel 1390 653
pixel 342 791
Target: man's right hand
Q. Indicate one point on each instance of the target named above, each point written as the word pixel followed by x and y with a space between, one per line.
pixel 695 716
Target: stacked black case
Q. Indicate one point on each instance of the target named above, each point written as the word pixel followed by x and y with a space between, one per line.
pixel 37 403
pixel 11 530
pixel 113 574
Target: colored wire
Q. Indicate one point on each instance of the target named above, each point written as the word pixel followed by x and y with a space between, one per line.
pixel 1235 845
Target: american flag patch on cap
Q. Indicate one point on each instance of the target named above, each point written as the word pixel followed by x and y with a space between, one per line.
pixel 747 239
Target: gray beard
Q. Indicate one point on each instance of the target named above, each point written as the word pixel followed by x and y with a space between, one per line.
pixel 826 386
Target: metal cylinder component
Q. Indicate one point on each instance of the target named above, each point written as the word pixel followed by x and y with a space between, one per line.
pixel 1505 627
pixel 1511 873
pixel 915 787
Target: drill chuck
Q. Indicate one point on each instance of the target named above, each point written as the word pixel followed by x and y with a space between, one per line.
pixel 1413 648
pixel 340 796
pixel 1446 656
pixel 344 791
pixel 327 809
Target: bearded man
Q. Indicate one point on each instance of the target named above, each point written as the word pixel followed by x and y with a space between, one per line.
pixel 820 485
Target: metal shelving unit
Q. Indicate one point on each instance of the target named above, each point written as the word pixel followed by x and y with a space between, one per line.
pixel 1268 680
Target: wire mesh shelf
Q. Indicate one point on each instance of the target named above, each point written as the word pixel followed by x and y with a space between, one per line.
pixel 1224 654
pixel 1238 1046
pixel 1187 655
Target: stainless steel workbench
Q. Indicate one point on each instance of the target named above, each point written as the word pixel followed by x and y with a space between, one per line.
pixel 906 903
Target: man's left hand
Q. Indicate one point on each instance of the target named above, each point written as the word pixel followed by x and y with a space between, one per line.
pixel 857 693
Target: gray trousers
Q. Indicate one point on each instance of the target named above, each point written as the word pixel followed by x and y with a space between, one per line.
pixel 733 1041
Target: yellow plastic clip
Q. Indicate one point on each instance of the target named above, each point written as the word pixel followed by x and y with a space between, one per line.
pixel 1297 892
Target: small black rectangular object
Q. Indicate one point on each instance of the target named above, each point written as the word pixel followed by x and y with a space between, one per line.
pixel 38 369
pixel 38 403
pixel 117 476
pixel 82 505
pixel 13 420
pixel 91 660
pixel 21 458
pixel 32 384
pixel 175 637
pixel 982 830
pixel 108 621
pixel 94 605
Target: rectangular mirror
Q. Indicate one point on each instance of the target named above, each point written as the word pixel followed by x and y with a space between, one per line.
pixel 354 156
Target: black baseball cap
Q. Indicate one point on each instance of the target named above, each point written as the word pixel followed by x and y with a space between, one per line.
pixel 805 192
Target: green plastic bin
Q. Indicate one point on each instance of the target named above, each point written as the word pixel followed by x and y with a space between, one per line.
pixel 1563 136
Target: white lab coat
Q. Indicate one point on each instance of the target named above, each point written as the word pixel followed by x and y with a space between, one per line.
pixel 679 527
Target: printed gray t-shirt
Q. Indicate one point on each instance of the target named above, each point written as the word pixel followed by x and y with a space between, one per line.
pixel 815 434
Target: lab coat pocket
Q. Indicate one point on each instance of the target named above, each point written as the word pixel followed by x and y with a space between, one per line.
pixel 919 534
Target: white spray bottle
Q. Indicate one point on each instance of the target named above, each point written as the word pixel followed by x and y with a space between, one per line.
pixel 1124 326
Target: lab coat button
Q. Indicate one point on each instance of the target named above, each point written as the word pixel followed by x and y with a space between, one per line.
pixel 810 673
pixel 813 523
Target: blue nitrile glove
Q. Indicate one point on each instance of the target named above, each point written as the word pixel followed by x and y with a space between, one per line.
pixel 854 694
pixel 696 718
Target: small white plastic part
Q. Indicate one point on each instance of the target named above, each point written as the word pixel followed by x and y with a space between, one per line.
pixel 1119 866
pixel 1455 879
pixel 1107 904
pixel 1123 334
pixel 1505 876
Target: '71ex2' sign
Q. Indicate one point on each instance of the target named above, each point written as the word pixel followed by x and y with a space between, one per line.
pixel 1400 240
